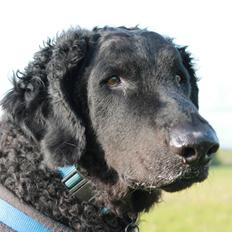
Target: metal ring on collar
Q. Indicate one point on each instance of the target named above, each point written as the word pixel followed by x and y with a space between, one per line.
pixel 132 227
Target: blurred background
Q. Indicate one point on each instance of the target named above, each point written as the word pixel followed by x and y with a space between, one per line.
pixel 205 26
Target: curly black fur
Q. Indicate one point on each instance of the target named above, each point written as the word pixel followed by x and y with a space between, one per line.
pixel 61 111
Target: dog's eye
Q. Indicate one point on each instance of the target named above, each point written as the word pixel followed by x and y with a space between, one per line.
pixel 113 81
pixel 179 79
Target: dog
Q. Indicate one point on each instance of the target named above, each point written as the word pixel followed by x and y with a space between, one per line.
pixel 118 104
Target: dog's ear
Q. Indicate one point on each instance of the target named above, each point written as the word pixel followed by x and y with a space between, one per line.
pixel 65 141
pixel 26 102
pixel 187 61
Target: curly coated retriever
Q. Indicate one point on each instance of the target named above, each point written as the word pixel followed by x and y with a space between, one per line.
pixel 121 104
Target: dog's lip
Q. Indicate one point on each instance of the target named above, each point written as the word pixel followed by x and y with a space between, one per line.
pixel 177 186
pixel 181 184
pixel 186 181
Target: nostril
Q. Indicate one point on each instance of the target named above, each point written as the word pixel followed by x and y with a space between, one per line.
pixel 208 154
pixel 212 150
pixel 189 153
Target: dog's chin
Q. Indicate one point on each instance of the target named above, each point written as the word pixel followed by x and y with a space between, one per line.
pixel 185 181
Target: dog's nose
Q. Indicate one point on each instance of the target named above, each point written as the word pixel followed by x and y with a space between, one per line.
pixel 195 144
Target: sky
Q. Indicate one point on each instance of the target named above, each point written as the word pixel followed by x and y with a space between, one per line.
pixel 203 25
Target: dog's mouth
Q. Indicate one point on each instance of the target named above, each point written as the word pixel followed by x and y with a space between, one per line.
pixel 183 183
pixel 182 180
pixel 186 180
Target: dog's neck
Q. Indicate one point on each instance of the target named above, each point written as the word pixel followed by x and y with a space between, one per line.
pixel 23 172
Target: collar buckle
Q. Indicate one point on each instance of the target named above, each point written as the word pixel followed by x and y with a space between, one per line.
pixel 76 183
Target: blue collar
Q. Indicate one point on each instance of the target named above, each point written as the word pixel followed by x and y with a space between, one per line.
pixel 19 221
pixel 75 182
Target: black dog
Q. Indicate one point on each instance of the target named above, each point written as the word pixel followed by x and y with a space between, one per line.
pixel 120 103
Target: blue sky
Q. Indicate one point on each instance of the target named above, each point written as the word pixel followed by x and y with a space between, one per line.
pixel 205 26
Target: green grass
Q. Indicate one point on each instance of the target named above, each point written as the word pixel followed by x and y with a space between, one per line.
pixel 205 207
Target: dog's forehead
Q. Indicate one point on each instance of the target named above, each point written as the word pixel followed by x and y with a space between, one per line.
pixel 139 43
pixel 117 42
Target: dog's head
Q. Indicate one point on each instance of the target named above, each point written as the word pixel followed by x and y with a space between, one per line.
pixel 123 103
pixel 144 109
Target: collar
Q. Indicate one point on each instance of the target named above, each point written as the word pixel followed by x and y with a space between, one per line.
pixel 18 220
pixel 79 186
pixel 76 183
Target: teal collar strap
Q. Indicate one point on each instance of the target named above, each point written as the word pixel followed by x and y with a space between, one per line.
pixel 75 182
